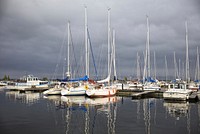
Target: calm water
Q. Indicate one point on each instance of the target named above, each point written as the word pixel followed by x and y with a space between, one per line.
pixel 33 113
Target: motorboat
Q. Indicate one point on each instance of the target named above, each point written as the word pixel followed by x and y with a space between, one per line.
pixel 177 91
pixel 28 82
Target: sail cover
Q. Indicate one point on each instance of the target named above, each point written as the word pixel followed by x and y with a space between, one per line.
pixel 104 80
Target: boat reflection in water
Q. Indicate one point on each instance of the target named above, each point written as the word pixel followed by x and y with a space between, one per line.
pixel 26 98
pixel 177 109
pixel 88 115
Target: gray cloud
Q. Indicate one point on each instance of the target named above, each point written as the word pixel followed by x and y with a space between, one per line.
pixel 32 33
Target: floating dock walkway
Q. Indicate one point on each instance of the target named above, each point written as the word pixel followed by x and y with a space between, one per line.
pixel 140 93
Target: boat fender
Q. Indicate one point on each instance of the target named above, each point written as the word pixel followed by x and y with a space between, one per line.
pixel 86 87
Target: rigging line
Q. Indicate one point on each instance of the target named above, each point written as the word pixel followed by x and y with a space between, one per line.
pixel 100 60
pixel 92 55
pixel 73 50
pixel 59 57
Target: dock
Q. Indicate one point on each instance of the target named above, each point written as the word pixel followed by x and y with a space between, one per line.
pixel 141 93
pixel 137 94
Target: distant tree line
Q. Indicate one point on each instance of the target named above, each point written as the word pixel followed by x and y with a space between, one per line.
pixel 6 77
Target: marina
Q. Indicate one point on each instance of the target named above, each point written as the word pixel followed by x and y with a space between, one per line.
pixel 97 67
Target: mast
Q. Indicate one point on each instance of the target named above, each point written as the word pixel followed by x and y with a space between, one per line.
pixel 148 50
pixel 187 57
pixel 183 70
pixel 166 68
pixel 197 66
pixel 86 45
pixel 154 65
pixel 109 53
pixel 198 73
pixel 175 67
pixel 146 72
pixel 145 65
pixel 114 63
pixel 179 68
pixel 68 44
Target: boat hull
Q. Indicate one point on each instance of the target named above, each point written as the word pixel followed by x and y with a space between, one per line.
pixel 74 91
pixel 176 95
pixel 101 92
pixel 53 91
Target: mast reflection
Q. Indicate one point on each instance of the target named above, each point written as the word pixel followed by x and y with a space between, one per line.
pixel 88 115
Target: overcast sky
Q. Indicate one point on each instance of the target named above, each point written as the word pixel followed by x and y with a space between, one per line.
pixel 32 34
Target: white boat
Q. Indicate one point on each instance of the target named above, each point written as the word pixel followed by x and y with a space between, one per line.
pixel 2 83
pixel 193 86
pixel 77 88
pixel 122 86
pixel 177 91
pixel 151 86
pixel 135 85
pixel 56 90
pixel 102 91
pixel 28 82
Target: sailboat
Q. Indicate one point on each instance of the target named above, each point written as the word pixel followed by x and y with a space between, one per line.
pixel 103 87
pixel 149 83
pixel 56 90
pixel 81 84
pixel 59 86
pixel 69 86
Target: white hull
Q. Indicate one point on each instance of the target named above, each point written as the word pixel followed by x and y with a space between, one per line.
pixel 81 90
pixel 53 91
pixel 102 92
pixel 151 87
pixel 135 86
pixel 23 87
pixel 177 94
pixel 2 84
pixel 17 87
